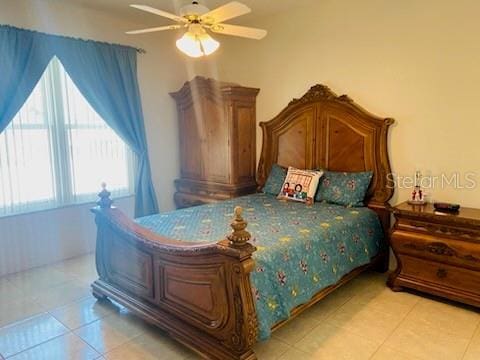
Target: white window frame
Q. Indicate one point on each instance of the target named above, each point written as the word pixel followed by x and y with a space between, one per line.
pixel 60 154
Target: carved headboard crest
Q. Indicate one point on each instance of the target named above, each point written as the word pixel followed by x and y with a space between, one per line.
pixel 319 92
pixel 323 130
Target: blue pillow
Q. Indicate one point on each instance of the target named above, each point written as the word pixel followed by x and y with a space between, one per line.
pixel 342 188
pixel 275 180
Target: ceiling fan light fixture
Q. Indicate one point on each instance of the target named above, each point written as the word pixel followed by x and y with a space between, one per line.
pixel 209 44
pixel 189 45
pixel 197 43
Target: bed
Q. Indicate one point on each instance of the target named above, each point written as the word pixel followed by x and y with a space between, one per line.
pixel 218 294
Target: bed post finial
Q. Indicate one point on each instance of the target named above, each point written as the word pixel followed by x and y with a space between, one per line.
pixel 105 202
pixel 239 236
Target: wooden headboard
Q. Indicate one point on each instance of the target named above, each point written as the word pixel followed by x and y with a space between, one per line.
pixel 323 130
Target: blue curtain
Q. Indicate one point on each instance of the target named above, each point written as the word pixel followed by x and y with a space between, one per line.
pixel 24 57
pixel 105 74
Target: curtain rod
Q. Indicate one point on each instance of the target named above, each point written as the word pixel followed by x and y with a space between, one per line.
pixel 139 50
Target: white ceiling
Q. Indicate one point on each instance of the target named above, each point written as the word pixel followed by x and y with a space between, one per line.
pixel 120 8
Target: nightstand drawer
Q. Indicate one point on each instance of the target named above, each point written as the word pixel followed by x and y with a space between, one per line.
pixel 455 231
pixel 441 274
pixel 438 253
pixel 445 250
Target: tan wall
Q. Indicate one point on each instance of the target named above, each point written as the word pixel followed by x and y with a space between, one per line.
pixel 416 61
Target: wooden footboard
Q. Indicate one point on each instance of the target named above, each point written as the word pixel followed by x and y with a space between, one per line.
pixel 198 293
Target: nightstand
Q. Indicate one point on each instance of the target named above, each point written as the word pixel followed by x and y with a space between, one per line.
pixel 437 253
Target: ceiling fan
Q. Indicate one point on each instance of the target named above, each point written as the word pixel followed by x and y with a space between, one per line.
pixel 196 42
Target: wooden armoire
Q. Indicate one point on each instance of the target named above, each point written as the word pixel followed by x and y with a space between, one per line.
pixel 217 123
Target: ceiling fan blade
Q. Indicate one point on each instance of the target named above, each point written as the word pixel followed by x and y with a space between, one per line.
pixel 149 30
pixel 159 12
pixel 242 31
pixel 225 12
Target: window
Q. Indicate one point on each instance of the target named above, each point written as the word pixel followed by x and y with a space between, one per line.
pixel 57 150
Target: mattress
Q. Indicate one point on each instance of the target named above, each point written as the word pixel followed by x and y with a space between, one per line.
pixel 300 249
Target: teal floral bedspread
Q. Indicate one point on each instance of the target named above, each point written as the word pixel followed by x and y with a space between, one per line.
pixel 300 249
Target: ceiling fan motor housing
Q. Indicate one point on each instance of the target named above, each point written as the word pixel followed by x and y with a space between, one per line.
pixel 193 10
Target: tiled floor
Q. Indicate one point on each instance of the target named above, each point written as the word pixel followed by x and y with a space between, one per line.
pixel 49 314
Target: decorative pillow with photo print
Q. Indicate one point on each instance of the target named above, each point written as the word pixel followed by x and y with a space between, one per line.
pixel 300 185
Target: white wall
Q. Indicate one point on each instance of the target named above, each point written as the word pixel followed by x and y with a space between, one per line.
pixel 416 61
pixel 45 237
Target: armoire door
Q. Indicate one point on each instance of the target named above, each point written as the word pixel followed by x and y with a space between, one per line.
pixel 216 142
pixel 191 144
pixel 243 149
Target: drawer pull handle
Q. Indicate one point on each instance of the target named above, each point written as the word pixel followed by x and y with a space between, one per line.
pixel 442 273
pixel 417 225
